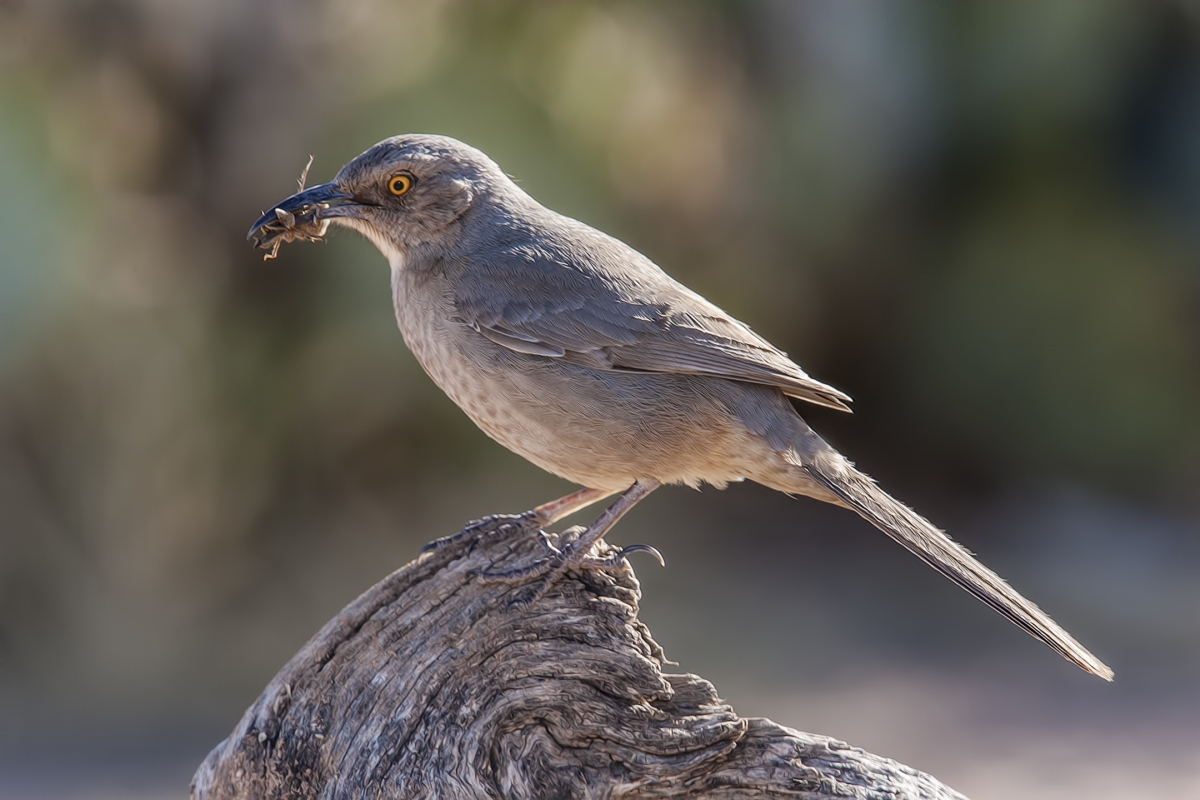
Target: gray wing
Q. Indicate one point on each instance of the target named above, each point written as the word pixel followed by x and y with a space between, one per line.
pixel 617 310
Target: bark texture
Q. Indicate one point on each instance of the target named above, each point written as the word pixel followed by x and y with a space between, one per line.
pixel 435 684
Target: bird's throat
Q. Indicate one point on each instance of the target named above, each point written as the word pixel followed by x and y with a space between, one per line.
pixel 384 244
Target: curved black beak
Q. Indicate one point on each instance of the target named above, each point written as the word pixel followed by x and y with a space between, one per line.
pixel 304 215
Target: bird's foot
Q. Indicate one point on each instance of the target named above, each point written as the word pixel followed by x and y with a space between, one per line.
pixel 572 552
pixel 617 560
pixel 494 525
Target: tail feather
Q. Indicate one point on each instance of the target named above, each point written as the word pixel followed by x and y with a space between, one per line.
pixel 834 473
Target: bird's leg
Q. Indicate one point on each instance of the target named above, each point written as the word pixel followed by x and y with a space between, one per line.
pixel 574 555
pixel 555 510
pixel 576 552
pixel 544 514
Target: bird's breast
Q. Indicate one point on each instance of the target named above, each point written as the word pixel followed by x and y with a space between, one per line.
pixel 425 316
pixel 448 351
pixel 599 428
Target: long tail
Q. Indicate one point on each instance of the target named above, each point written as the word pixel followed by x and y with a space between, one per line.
pixel 834 473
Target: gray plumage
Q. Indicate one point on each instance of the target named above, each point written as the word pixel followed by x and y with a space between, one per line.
pixel 577 352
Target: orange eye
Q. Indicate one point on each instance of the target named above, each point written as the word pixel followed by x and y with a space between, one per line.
pixel 400 184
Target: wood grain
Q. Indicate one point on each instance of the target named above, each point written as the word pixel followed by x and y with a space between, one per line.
pixel 435 684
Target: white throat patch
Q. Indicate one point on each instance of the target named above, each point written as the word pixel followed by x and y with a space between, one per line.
pixel 385 245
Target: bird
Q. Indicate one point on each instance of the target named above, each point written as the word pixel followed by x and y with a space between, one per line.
pixel 579 353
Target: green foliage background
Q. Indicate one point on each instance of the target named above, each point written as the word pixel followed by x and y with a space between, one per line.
pixel 979 219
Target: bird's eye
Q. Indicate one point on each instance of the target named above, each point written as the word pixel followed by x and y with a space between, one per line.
pixel 400 184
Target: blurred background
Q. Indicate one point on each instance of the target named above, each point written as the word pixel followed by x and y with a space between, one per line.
pixel 982 220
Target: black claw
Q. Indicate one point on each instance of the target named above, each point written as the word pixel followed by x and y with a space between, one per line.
pixel 642 548
pixel 547 545
pixel 570 536
pixel 438 544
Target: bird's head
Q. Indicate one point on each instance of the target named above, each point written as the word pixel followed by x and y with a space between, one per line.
pixel 401 193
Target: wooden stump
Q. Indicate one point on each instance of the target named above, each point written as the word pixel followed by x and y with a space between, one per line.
pixel 434 685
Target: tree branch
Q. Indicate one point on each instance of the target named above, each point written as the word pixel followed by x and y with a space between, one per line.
pixel 433 684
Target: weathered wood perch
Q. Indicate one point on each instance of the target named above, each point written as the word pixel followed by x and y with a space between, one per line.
pixel 432 685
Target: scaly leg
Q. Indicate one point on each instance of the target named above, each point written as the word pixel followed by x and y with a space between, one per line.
pixel 555 510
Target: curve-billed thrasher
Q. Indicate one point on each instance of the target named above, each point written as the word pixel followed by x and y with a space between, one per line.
pixel 577 352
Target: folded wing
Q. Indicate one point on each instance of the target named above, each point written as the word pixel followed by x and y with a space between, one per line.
pixel 619 319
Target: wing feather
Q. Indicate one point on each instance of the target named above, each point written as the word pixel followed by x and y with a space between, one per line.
pixel 594 300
